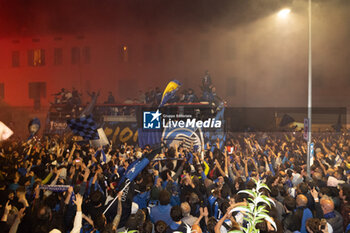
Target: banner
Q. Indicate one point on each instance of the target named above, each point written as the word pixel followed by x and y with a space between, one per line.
pixel 56 127
pixel 149 137
pixel 311 153
pixel 306 129
pixel 191 138
pixel 121 132
pixel 102 141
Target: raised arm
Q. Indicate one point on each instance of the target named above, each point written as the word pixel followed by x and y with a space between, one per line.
pixel 17 221
pixel 78 216
pixel 116 219
pixel 219 168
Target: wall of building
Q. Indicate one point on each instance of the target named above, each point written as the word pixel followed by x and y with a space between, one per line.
pixel 251 66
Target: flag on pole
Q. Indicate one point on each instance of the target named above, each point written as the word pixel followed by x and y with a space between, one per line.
pixel 136 167
pixel 5 132
pixel 130 174
pixel 33 127
pixel 169 91
pixel 85 127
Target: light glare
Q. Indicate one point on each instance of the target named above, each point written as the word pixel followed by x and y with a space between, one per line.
pixel 283 13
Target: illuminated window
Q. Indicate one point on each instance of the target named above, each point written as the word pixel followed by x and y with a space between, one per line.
pixel 204 50
pixel 86 55
pixel 15 59
pixel 124 52
pixel 75 55
pixel 58 56
pixel 36 57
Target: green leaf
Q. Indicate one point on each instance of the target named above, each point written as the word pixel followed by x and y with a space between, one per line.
pixel 262 185
pixel 262 200
pixel 250 200
pixel 269 200
pixel 240 208
pixel 261 208
pixel 270 220
pixel 249 192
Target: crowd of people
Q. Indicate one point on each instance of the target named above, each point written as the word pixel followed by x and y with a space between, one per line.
pixel 59 185
pixel 73 99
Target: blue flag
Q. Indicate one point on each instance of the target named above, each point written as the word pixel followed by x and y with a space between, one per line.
pixel 169 91
pixel 136 167
pixel 33 127
pixel 85 127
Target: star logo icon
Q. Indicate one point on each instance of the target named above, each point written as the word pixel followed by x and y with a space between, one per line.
pixel 156 115
pixel 151 119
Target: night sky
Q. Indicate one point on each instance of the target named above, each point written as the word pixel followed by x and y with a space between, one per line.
pixel 28 17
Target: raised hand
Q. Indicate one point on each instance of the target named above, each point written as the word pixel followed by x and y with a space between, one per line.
pixel 314 193
pixel 155 172
pixel 205 212
pixel 78 201
pixel 8 207
pixel 21 213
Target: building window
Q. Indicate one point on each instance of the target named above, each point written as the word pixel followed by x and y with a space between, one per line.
pixel 15 59
pixel 36 57
pixel 75 55
pixel 2 91
pixel 86 55
pixel 124 53
pixel 37 91
pixel 58 56
pixel 204 50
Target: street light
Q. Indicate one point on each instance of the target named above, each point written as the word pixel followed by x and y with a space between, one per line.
pixel 283 13
pixel 309 94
